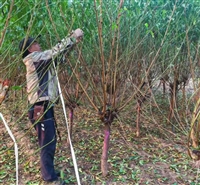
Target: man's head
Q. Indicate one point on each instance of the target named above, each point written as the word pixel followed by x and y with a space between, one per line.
pixel 28 45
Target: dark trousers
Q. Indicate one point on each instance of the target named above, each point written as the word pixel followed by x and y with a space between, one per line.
pixel 47 140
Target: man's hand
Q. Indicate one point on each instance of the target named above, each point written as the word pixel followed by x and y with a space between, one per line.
pixel 78 35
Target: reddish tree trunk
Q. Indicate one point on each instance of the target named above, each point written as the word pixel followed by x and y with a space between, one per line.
pixel 104 157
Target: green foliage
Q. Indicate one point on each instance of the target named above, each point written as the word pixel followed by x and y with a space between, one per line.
pixel 138 17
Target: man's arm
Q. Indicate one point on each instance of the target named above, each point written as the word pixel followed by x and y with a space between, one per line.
pixel 41 59
pixel 66 44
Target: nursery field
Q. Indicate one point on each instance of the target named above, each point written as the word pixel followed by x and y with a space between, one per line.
pixel 157 156
pixel 128 78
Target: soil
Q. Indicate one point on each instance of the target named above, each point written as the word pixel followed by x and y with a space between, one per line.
pixel 157 156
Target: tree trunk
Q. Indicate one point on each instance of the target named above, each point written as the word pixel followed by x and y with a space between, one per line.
pixel 194 138
pixel 173 98
pixel 104 157
pixel 138 119
pixel 164 89
pixel 195 122
pixel 71 117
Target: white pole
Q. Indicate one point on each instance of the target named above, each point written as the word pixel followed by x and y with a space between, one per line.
pixel 15 144
pixel 65 114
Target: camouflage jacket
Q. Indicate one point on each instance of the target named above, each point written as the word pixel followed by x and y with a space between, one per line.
pixel 40 72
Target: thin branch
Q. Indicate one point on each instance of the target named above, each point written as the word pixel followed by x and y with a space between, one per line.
pixel 3 33
pixel 69 27
pixel 51 19
pixel 161 45
pixel 100 21
pixel 117 52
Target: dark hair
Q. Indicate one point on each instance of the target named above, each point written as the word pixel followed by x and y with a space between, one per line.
pixel 25 44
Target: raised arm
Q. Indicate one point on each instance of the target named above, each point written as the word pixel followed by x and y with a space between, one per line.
pixel 44 58
pixel 66 44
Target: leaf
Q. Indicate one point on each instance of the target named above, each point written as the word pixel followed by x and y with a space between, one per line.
pixel 114 26
pixel 3 174
pixel 141 162
pixel 16 88
pixel 146 25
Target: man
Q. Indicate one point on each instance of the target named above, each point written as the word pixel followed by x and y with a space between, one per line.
pixel 43 93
